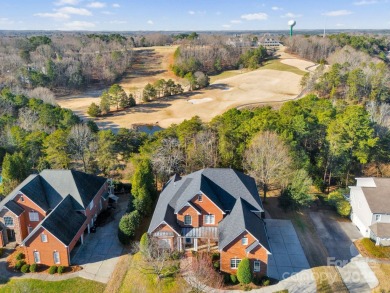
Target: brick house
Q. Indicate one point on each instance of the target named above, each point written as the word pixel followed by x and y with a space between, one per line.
pixel 209 208
pixel 49 213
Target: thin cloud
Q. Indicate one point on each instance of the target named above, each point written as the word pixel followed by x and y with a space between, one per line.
pixel 226 25
pixel 337 13
pixel 66 2
pixel 107 12
pixel 118 22
pixel 365 2
pixel 276 8
pixel 78 25
pixel 74 10
pixel 55 15
pixel 96 5
pixel 6 21
pixel 218 13
pixel 235 21
pixel 291 15
pixel 255 16
pixel 191 12
pixel 116 5
pixel 150 22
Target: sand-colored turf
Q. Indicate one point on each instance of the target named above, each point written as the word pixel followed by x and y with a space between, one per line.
pixel 228 90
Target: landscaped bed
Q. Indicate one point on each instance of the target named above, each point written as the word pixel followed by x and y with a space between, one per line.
pixel 368 248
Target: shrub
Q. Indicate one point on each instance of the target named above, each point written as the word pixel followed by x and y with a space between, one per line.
pixel 176 255
pixel 244 274
pixel 215 256
pixel 233 279
pixel 127 226
pixel 20 256
pixel 52 270
pixel 343 208
pixel 226 278
pixel 144 243
pixel 33 268
pixel 334 197
pixel 19 264
pixel 60 270
pixel 216 264
pixel 266 281
pixel 25 268
pixel 94 110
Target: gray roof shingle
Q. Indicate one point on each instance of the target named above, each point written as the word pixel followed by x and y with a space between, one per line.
pixel 381 230
pixel 378 198
pixel 63 222
pixel 230 190
pixel 14 207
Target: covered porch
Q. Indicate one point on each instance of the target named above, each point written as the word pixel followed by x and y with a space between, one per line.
pixel 198 239
pixel 380 233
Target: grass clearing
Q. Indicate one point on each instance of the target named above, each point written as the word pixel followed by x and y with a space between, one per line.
pixel 74 285
pixel 382 272
pixel 225 74
pixel 368 248
pixel 328 280
pixel 277 65
pixel 136 280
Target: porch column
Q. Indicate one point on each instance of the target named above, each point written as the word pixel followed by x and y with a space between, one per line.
pixel 88 230
pixel 180 244
pixel 378 241
pixel 82 238
pixel 196 244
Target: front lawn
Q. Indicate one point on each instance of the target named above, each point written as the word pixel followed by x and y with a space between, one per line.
pixel 382 272
pixel 328 280
pixel 138 280
pixel 74 285
pixel 368 248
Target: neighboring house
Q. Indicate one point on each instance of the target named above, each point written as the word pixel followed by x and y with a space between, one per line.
pixel 218 208
pixel 49 213
pixel 370 201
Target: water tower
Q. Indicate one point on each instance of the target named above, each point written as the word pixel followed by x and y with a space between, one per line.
pixel 291 24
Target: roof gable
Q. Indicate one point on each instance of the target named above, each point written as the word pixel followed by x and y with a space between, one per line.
pixel 378 196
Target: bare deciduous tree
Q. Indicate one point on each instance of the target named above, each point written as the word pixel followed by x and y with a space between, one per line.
pixel 80 141
pixel 267 160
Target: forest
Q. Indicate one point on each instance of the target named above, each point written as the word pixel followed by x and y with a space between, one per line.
pixel 62 62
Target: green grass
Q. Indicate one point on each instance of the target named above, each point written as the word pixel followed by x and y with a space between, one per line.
pixel 74 285
pixel 224 74
pixel 375 251
pixel 138 280
pixel 277 65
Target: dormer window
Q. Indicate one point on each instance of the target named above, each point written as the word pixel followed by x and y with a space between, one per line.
pixel 377 218
pixel 187 220
pixel 200 198
pixel 244 240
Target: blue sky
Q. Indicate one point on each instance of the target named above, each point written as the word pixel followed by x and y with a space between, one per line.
pixel 130 15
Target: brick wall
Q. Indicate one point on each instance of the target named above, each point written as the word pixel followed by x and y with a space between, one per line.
pixel 96 204
pixel 237 250
pixel 17 227
pixel 172 240
pixel 28 205
pixel 206 206
pixel 46 249
pixel 188 210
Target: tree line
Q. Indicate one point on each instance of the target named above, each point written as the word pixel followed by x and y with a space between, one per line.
pixel 63 61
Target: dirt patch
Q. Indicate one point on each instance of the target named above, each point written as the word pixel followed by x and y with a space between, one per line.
pixel 382 272
pixel 329 280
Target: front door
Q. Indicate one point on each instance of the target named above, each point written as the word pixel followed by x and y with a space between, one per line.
pixel 11 235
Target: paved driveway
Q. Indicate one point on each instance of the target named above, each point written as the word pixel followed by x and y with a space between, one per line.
pixel 338 237
pixel 287 254
pixel 101 250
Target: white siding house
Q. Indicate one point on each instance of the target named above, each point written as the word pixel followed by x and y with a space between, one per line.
pixel 370 202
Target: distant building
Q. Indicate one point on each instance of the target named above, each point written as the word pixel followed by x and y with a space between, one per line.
pixel 370 202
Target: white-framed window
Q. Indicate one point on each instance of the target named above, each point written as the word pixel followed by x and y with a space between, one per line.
pixel 90 206
pixel 37 257
pixel 164 243
pixel 200 197
pixel 377 217
pixel 244 241
pixel 8 221
pixel 209 219
pixel 256 266
pixel 234 262
pixel 34 216
pixel 29 229
pixel 56 257
pixel 188 240
pixel 43 237
pixel 187 220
